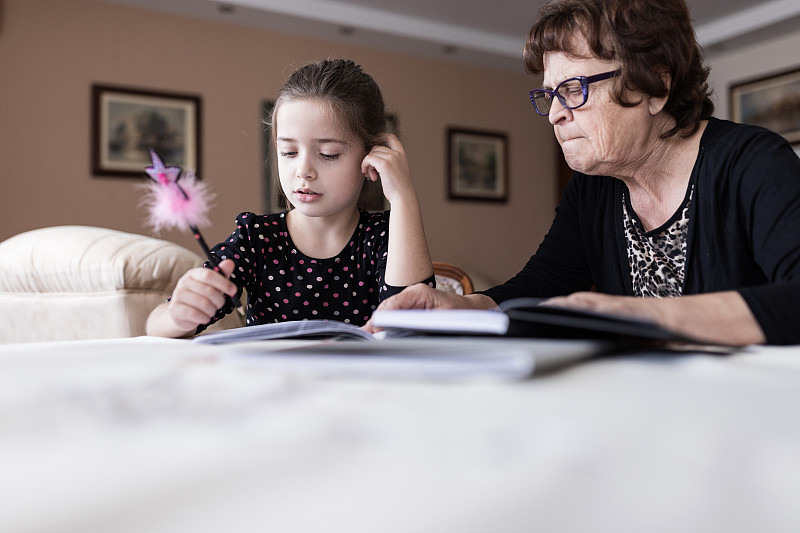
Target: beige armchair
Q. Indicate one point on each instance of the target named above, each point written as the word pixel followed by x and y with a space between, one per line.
pixel 79 282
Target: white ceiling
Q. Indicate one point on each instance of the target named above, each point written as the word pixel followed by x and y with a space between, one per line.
pixel 488 32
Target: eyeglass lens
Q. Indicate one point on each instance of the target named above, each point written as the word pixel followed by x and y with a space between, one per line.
pixel 570 93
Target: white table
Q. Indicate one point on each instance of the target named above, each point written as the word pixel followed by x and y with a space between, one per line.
pixel 152 435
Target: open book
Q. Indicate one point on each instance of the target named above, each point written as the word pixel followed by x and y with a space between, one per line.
pixel 522 317
pixel 525 317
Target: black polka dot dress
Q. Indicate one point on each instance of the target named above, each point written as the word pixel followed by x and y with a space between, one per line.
pixel 283 284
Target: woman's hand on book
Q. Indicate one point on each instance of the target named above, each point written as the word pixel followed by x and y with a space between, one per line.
pixel 716 317
pixel 421 296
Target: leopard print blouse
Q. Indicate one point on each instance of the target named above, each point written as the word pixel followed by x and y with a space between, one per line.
pixel 657 258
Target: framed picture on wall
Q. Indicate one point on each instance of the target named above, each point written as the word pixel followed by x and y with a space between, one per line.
pixel 271 200
pixel 771 101
pixel 477 165
pixel 127 123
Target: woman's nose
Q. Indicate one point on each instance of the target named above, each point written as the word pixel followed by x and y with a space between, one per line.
pixel 557 112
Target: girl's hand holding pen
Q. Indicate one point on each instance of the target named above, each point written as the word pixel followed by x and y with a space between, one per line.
pixel 199 294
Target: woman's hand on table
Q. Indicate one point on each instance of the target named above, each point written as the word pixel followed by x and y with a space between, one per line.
pixel 719 318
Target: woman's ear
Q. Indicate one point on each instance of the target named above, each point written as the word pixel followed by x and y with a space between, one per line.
pixel 656 104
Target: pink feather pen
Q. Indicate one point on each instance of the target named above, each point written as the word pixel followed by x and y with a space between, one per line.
pixel 176 200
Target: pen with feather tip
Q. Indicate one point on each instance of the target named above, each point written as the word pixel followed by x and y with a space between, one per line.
pixel 180 205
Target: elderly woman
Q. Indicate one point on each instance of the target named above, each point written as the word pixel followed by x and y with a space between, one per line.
pixel 673 216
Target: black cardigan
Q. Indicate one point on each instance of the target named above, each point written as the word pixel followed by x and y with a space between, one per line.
pixel 744 231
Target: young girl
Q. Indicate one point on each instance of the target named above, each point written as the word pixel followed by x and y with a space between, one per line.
pixel 325 257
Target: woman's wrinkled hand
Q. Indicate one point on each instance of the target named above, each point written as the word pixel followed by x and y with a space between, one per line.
pixel 719 318
pixel 421 296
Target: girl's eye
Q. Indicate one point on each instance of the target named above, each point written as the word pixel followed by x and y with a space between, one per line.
pixel 330 157
pixel 287 154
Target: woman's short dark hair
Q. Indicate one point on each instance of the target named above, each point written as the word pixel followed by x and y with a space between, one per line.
pixel 353 97
pixel 646 37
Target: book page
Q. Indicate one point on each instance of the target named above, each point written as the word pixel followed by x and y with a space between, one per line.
pixel 286 330
pixel 443 321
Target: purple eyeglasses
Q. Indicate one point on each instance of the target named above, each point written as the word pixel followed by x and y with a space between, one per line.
pixel 572 92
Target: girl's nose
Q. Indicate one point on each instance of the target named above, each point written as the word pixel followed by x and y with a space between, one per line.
pixel 306 169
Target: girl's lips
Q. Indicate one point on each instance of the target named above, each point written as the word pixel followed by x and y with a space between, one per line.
pixel 306 195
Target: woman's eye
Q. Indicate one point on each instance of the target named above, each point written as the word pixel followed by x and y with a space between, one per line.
pixel 287 154
pixel 330 157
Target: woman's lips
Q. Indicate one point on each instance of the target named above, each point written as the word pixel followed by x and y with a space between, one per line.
pixel 568 140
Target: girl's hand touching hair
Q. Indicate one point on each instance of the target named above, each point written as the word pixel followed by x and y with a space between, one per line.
pixel 408 259
pixel 389 163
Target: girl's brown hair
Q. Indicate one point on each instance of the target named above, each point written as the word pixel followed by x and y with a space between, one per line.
pixel 353 97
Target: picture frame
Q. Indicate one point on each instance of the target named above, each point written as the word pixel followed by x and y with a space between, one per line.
pixel 271 199
pixel 128 122
pixel 771 101
pixel 477 165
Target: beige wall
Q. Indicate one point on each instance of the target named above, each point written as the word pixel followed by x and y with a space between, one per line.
pixel 51 51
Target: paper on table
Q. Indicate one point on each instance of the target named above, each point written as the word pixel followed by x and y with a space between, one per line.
pixel 437 358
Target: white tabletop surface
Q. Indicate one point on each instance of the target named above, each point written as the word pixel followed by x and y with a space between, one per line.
pixel 154 435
